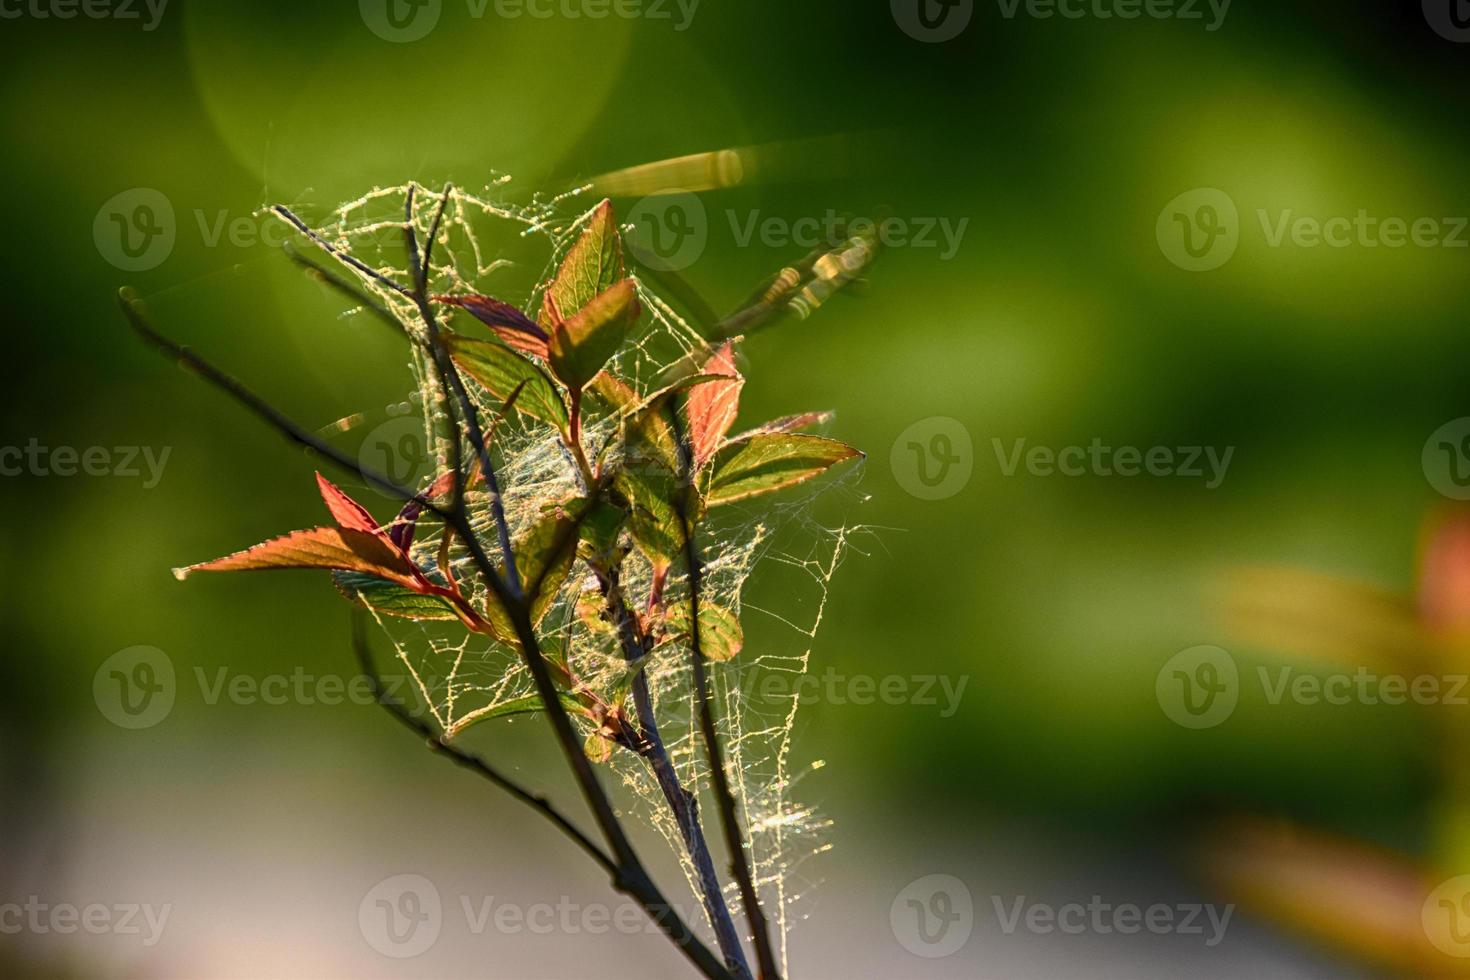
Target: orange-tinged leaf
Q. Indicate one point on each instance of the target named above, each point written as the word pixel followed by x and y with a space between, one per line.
pixel 345 511
pixel 1444 572
pixel 1356 897
pixel 712 406
pixel 338 548
pixel 786 423
pixel 406 523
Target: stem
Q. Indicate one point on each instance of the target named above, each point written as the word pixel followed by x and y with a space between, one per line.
pixel 450 381
pixel 681 801
pixel 474 763
pixel 574 439
pixel 724 798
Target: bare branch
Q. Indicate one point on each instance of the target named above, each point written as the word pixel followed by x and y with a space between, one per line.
pixel 286 213
pixel 683 804
pixel 136 313
pixel 724 798
pixel 440 745
pixel 450 381
pixel 320 272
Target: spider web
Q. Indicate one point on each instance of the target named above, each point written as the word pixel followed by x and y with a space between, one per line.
pixel 488 245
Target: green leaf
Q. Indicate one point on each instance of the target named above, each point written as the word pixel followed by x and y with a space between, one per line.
pixel 720 634
pixel 614 393
pixel 592 611
pixel 391 599
pixel 528 705
pixel 600 530
pixel 501 371
pixel 769 462
pixel 581 345
pixel 544 555
pixel 599 747
pixel 591 267
pixel 652 520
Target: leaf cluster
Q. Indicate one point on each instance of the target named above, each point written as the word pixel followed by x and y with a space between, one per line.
pixel 669 461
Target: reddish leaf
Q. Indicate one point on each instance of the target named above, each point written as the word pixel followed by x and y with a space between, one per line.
pixel 347 512
pixel 787 423
pixel 510 324
pixel 342 549
pixel 712 406
pixel 406 523
pixel 1444 572
pixel 1367 902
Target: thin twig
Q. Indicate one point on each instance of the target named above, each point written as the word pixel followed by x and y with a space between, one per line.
pixel 686 809
pixel 724 798
pixel 361 266
pixel 357 295
pixel 132 307
pixel 438 743
pixel 451 381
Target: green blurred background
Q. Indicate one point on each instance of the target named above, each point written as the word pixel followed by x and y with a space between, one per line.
pixel 1059 319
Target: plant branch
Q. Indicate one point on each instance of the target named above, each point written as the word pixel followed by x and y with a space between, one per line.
pixel 318 271
pixel 681 801
pixel 133 309
pixel 724 798
pixel 438 743
pixel 290 217
pixel 451 382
